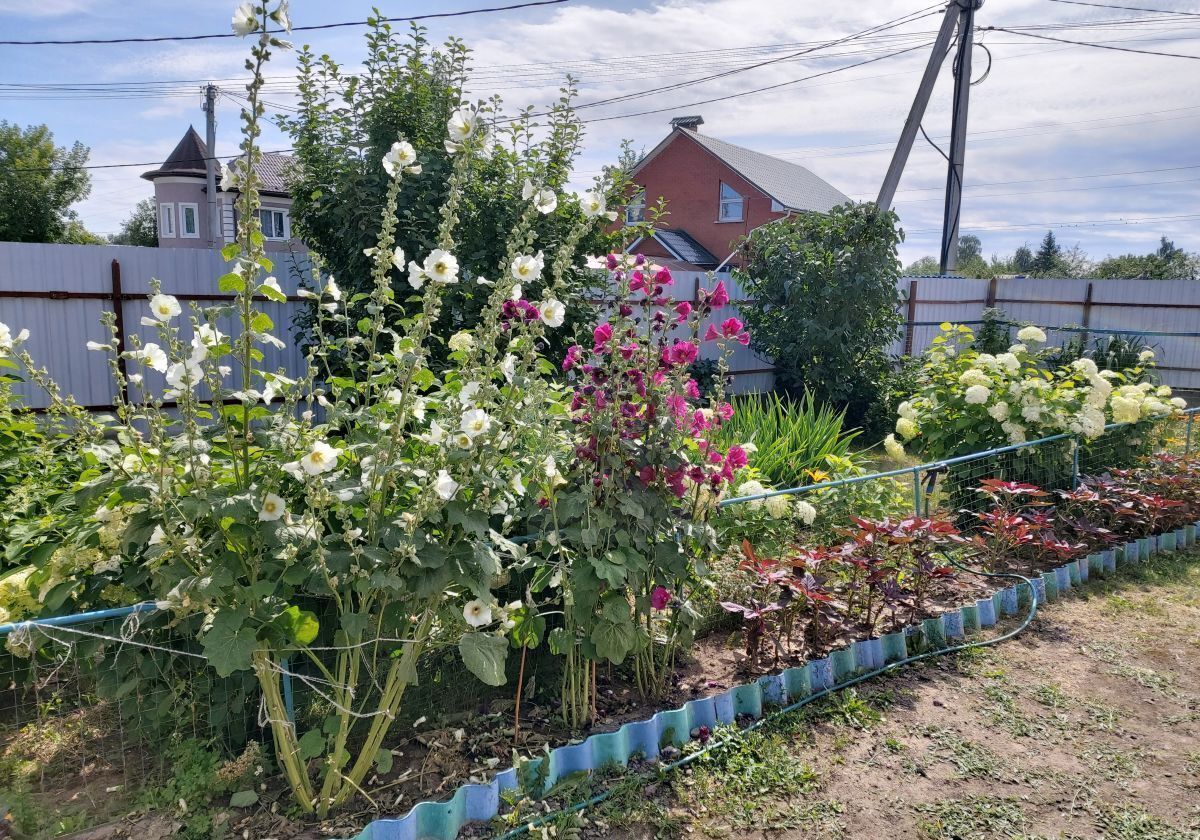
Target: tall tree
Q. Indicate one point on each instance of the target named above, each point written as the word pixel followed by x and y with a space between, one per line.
pixel 1048 255
pixel 1022 261
pixel 141 228
pixel 1168 262
pixel 39 182
pixel 969 248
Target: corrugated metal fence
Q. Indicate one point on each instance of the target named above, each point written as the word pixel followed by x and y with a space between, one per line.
pixel 58 293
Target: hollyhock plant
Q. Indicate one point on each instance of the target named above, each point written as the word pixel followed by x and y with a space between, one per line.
pixel 628 523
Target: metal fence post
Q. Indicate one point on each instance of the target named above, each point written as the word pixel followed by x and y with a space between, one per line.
pixel 916 491
pixel 289 699
pixel 1074 463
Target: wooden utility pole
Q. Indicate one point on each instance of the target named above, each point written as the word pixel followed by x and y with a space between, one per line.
pixel 959 17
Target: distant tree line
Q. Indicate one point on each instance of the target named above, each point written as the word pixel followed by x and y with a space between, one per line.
pixel 1167 262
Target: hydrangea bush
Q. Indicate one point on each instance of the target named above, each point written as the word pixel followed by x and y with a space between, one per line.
pixel 969 401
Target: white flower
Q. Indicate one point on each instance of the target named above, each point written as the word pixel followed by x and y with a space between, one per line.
pixel 267 338
pixel 1009 361
pixel 273 507
pixel 477 613
pixel 332 290
pixel 509 367
pixel 272 284
pixel 164 307
pixel 400 156
pixel 435 436
pixel 893 448
pixel 527 267
pixel 103 514
pixel 463 440
pixel 752 488
pixel 1031 334
pixel 1085 366
pixel 806 512
pixel 977 394
pixel 1125 410
pixel 282 17
pixel 461 341
pixel 320 459
pixel 592 204
pixel 974 376
pixel 516 292
pixel 553 312
pixel 209 336
pixel 467 393
pixel 1146 355
pixel 475 422
pixel 227 178
pixel 905 409
pixel 778 506
pixel 462 124
pixel 445 486
pixel 184 373
pixel 157 535
pixel 906 428
pixel 517 484
pixel 416 275
pixel 1179 402
pixel 544 201
pixel 398 259
pixel 244 21
pixel 1162 391
pixel 999 411
pixel 96 345
pixel 441 267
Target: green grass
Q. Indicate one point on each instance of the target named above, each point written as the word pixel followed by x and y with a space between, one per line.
pixel 1129 822
pixel 970 760
pixel 972 818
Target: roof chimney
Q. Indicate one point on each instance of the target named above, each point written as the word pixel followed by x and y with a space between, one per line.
pixel 692 123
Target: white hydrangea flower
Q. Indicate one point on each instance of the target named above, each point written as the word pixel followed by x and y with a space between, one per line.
pixel 1031 334
pixel 805 511
pixel 893 448
pixel 164 307
pixel 1009 361
pixel 977 394
pixel 1146 355
pixel 781 506
pixel 906 410
pixel 974 376
pixel 461 341
pixel 1179 402
pixel 1085 366
pixel 999 411
pixel 273 508
pixel 906 428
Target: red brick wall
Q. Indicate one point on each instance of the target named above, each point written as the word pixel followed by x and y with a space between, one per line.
pixel 688 177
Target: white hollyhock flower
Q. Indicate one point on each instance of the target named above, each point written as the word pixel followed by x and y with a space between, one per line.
pixel 441 266
pixel 398 259
pixel 152 356
pixel 508 367
pixel 320 459
pixel 475 422
pixel 399 157
pixel 282 17
pixel 461 125
pixel 227 175
pixel 445 486
pixel 164 307
pixel 553 312
pixel 210 336
pixel 527 267
pixel 545 201
pixel 517 484
pixel 332 290
pixel 477 613
pixel 267 338
pixel 273 508
pixel 244 21
pixel 416 275
pixel 157 536
pixel 463 440
pixel 271 284
pixel 183 374
pixel 435 435
pixel 96 345
pixel 1031 334
pixel 592 204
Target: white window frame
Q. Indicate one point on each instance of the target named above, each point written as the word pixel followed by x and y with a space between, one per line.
pixel 635 211
pixel 183 232
pixel 287 226
pixel 727 207
pixel 166 219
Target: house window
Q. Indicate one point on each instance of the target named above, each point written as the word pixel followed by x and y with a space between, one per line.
pixel 274 223
pixel 635 211
pixel 166 220
pixel 189 224
pixel 732 205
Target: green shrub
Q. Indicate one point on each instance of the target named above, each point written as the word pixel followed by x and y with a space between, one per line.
pixel 793 437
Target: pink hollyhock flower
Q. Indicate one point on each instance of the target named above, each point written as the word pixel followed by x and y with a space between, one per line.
pixel 693 390
pixel 647 474
pixel 572 357
pixel 660 597
pixel 683 310
pixel 626 310
pixel 725 411
pixel 601 336
pixel 611 261
pixel 637 281
pixel 719 296
pixel 627 351
pixel 677 404
pixel 711 333
pixel 684 353
pixel 663 277
pixel 736 458
pixel 658 377
pixel 730 327
pixel 715 457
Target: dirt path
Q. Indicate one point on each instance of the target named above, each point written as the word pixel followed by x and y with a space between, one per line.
pixel 1085 726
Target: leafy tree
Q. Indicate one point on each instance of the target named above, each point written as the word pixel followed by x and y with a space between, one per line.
pixel 39 182
pixel 141 228
pixel 969 248
pixel 1022 260
pixel 1168 262
pixel 925 265
pixel 1048 254
pixel 825 303
pixel 346 122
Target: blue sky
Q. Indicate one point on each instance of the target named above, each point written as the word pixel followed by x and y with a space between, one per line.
pixel 1101 144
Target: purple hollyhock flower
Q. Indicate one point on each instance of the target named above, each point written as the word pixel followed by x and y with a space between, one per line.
pixel 660 597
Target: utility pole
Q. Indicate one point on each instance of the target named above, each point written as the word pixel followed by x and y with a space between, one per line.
pixel 210 140
pixel 959 17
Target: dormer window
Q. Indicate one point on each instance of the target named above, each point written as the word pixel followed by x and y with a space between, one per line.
pixel 635 211
pixel 731 206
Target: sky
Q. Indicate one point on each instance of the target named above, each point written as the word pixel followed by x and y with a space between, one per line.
pixel 1101 145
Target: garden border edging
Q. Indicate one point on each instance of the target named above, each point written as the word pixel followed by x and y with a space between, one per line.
pixel 481 802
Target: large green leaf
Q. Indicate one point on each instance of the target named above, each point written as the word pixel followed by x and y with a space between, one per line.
pixel 484 655
pixel 614 640
pixel 229 644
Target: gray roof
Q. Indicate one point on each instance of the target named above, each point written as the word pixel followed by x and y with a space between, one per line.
pixel 790 184
pixel 191 153
pixel 685 248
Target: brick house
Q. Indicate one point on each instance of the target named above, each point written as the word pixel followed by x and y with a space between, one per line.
pixel 715 194
pixel 181 195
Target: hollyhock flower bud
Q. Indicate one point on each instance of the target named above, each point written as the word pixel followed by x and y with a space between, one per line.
pixel 611 261
pixel 639 260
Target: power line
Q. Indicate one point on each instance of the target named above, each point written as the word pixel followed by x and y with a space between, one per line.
pixel 1126 8
pixel 1070 224
pixel 1062 178
pixel 117 165
pixel 1065 189
pixel 1085 43
pixel 310 28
